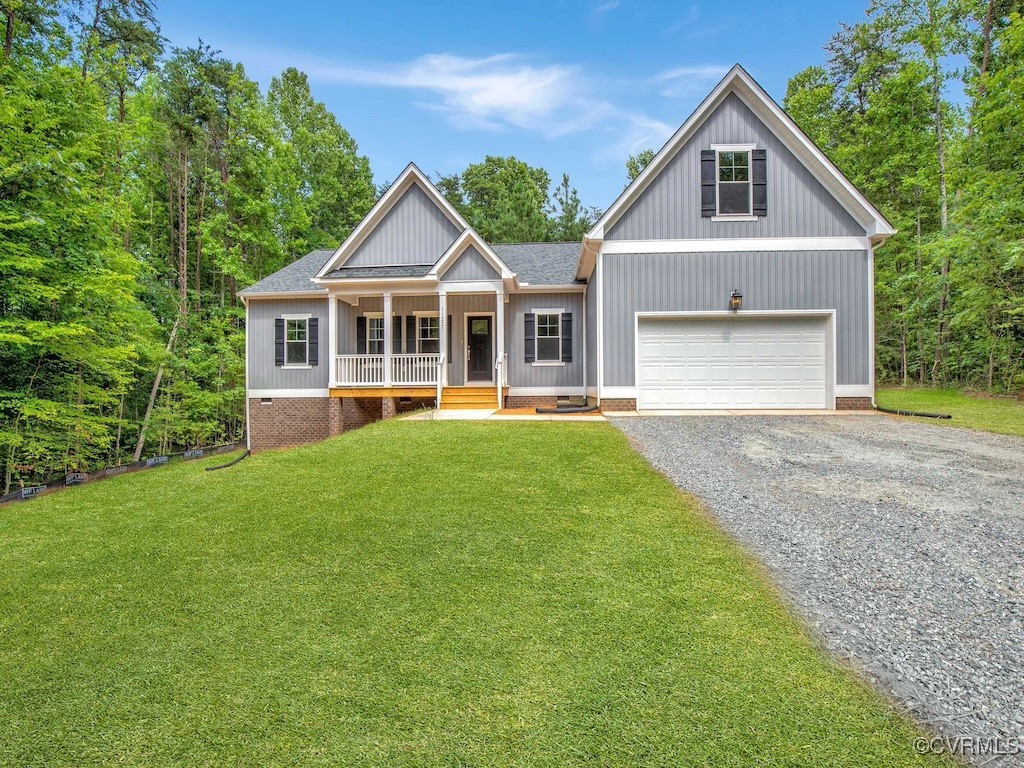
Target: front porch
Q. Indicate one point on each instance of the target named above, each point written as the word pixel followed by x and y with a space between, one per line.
pixel 419 346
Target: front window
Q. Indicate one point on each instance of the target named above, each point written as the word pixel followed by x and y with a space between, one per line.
pixel 734 186
pixel 549 338
pixel 296 342
pixel 375 335
pixel 428 335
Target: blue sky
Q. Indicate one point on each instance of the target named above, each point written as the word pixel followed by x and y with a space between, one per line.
pixel 570 86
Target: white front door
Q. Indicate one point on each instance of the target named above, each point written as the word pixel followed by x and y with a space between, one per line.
pixel 733 362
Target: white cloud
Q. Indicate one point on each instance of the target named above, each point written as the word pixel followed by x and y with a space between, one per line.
pixel 692 17
pixel 685 82
pixel 611 5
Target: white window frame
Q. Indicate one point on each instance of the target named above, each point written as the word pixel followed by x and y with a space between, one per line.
pixel 419 339
pixel 296 366
pixel 537 312
pixel 383 336
pixel 749 149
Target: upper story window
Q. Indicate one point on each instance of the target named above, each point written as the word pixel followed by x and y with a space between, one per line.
pixel 549 338
pixel 296 341
pixel 428 335
pixel 375 335
pixel 734 186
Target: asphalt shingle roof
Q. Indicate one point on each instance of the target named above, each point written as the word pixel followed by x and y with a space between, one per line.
pixel 534 263
pixel 403 270
pixel 295 278
pixel 541 263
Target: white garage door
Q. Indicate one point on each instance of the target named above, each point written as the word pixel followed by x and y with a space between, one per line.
pixel 733 362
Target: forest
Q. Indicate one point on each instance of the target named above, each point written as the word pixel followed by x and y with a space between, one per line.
pixel 142 186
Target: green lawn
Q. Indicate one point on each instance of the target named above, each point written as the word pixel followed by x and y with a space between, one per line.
pixel 413 593
pixel 1003 415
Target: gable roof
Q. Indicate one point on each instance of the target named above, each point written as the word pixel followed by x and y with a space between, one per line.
pixel 738 81
pixel 462 242
pixel 294 278
pixel 410 176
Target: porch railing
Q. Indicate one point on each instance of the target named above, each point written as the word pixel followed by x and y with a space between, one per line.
pixel 368 370
pixel 414 369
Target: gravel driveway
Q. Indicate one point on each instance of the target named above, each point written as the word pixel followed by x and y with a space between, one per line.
pixel 901 542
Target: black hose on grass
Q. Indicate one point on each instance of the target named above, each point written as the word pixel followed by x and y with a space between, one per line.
pixel 230 463
pixel 569 409
pixel 899 412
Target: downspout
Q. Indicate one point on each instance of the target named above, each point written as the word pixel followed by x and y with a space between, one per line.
pixel 584 313
pixel 248 422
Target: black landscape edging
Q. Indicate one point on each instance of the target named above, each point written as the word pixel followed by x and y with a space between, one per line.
pixel 71 479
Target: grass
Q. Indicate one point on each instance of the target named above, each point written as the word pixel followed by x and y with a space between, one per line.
pixel 423 593
pixel 1002 415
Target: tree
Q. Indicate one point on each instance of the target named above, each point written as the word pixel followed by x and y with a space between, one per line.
pixel 322 185
pixel 636 163
pixel 573 220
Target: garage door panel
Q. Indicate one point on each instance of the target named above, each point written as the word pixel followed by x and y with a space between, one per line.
pixel 735 362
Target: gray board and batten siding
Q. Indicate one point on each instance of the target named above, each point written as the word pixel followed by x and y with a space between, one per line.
pixel 523 374
pixel 414 231
pixel 470 266
pixel 798 204
pixel 263 373
pixel 702 282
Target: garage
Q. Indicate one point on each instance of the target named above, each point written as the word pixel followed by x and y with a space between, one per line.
pixel 727 361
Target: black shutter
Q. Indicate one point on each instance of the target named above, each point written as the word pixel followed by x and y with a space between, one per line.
pixel 396 335
pixel 530 328
pixel 567 337
pixel 708 205
pixel 279 341
pixel 410 334
pixel 313 334
pixel 361 335
pixel 759 175
pixel 450 355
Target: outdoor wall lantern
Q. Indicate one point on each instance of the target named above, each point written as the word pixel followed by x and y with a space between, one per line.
pixel 735 301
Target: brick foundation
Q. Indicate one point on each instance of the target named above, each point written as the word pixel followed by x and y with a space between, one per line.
pixel 853 403
pixel 618 404
pixel 281 422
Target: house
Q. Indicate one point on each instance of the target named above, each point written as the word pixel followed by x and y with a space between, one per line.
pixel 736 271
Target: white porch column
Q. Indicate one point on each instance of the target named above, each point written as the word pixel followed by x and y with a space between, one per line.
pixel 332 339
pixel 442 327
pixel 387 339
pixel 499 345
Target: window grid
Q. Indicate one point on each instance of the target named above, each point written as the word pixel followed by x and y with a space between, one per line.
pixel 549 338
pixel 375 336
pixel 296 342
pixel 734 187
pixel 428 335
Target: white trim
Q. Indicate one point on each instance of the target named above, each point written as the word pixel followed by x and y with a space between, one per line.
pixel 332 336
pixel 305 318
pixel 733 244
pixel 832 354
pixel 618 393
pixel 411 175
pixel 373 314
pixel 538 391
pixel 871 323
pixel 599 271
pixel 749 149
pixel 248 362
pixel 425 313
pixel 754 96
pixel 476 286
pixel 548 311
pixel 537 362
pixel 854 390
pixel 570 288
pixel 549 363
pixel 297 366
pixel 316 294
pixel 289 393
pixel 301 316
